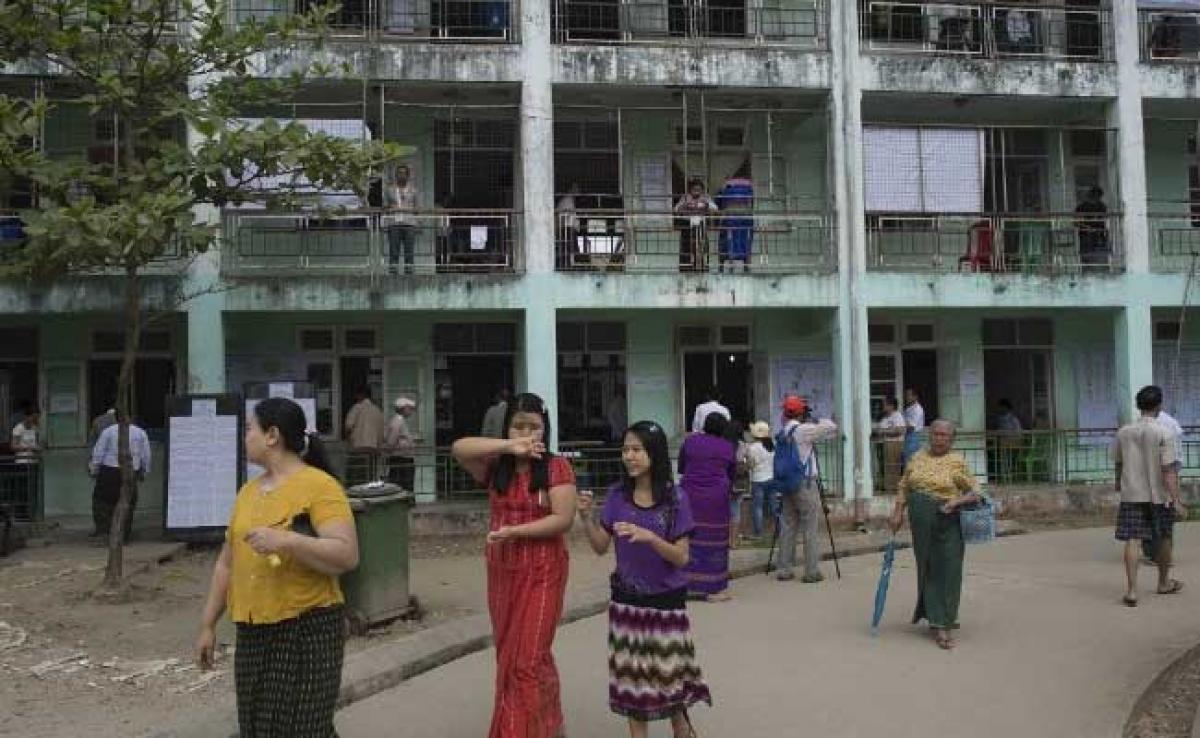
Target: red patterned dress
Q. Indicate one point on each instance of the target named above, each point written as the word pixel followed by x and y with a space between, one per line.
pixel 527 578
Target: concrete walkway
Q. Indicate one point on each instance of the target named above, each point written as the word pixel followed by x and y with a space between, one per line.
pixel 1046 650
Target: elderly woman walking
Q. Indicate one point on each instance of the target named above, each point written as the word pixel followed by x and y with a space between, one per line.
pixel 707 463
pixel 936 483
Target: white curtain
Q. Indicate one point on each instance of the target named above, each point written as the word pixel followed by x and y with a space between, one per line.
pixel 923 170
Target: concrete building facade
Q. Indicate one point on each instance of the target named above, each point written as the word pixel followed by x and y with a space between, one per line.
pixel 920 217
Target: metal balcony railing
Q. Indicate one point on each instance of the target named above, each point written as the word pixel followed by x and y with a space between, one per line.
pixel 987 30
pixel 427 21
pixel 773 22
pixel 371 242
pixel 1032 243
pixel 1174 241
pixel 775 243
pixel 1170 35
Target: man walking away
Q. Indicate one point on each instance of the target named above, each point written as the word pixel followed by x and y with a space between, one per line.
pixel 105 469
pixel 800 508
pixel 1148 481
pixel 1172 425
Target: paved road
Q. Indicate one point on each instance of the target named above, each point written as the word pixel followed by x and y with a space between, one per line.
pixel 1046 650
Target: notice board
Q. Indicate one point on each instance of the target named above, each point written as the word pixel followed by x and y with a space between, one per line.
pixel 204 464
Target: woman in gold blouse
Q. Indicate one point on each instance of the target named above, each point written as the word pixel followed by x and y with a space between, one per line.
pixel 936 483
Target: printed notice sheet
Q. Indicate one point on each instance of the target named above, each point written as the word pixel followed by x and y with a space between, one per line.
pixel 202 472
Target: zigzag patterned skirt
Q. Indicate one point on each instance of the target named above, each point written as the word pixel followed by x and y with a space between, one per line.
pixel 652 667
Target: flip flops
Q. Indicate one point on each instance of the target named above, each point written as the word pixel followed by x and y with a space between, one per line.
pixel 1174 587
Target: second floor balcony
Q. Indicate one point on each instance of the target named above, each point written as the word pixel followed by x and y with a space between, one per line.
pixel 1170 30
pixel 1079 30
pixel 370 243
pixel 422 21
pixel 996 243
pixel 794 23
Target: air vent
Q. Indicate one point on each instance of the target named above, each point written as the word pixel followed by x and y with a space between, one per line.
pixel 735 335
pixel 881 333
pixel 316 339
pixel 693 336
pixel 919 333
pixel 360 339
pixel 731 136
pixel 1166 330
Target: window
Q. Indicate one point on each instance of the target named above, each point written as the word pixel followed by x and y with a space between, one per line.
pixel 918 333
pixel 923 170
pixel 18 343
pixel 475 338
pixel 473 162
pixel 1166 330
pixel 113 342
pixel 592 404
pixel 695 336
pixel 1010 333
pixel 881 333
pixel 316 339
pixel 735 336
pixel 587 157
pixel 360 339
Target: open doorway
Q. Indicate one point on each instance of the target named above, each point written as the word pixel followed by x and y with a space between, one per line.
pixel 466 387
pixel 1024 378
pixel 921 374
pixel 153 381
pixel 729 371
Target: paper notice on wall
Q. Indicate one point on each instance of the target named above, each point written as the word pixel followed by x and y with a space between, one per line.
pixel 970 383
pixel 809 377
pixel 202 473
pixel 204 408
pixel 64 403
pixel 1095 387
pixel 650 384
pixel 281 389
pixel 479 238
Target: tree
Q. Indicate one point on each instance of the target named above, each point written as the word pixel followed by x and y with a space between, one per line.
pixel 172 78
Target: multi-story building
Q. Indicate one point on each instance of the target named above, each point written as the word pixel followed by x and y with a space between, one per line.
pixel 977 200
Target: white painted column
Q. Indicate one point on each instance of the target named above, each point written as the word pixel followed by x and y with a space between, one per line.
pixel 541 361
pixel 205 305
pixel 537 137
pixel 1126 116
pixel 1134 352
pixel 852 346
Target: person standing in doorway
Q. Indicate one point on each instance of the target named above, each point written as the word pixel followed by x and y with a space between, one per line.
pixel 890 430
pixel 27 437
pixel 914 425
pixel 493 419
pixel 290 536
pixel 707 464
pixel 400 198
pixel 105 469
pixel 711 404
pixel 800 509
pixel 532 496
pixel 398 442
pixel 364 430
pixel 1148 480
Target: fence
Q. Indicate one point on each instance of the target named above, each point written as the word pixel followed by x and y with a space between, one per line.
pixel 1174 241
pixel 397 20
pixel 986 30
pixel 366 242
pixel 1033 458
pixel 1170 35
pixel 1029 243
pixel 612 22
pixel 600 241
pixel 21 489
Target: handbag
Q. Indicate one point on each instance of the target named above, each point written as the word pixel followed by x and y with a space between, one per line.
pixel 978 521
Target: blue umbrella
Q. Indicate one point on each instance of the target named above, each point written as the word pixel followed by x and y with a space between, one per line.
pixel 885 577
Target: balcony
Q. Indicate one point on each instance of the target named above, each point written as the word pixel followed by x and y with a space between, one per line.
pixel 439 21
pixel 370 243
pixel 798 23
pixel 987 30
pixel 1169 35
pixel 1174 242
pixel 1024 243
pixel 737 243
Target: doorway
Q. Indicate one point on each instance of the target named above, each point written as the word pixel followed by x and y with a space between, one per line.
pixel 153 381
pixel 466 386
pixel 1024 378
pixel 921 374
pixel 729 371
pixel 358 372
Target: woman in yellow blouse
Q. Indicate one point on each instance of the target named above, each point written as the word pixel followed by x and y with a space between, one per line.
pixel 290 536
pixel 936 483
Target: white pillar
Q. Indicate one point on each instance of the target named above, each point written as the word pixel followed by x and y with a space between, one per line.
pixel 1131 157
pixel 537 137
pixel 1134 353
pixel 541 361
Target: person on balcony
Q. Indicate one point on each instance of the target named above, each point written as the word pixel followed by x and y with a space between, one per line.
pixel 570 252
pixel 694 208
pixel 400 199
pixel 736 236
pixel 1092 227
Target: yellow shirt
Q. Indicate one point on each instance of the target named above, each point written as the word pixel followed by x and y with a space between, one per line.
pixel 260 593
pixel 945 476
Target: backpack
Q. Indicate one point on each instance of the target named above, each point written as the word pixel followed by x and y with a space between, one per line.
pixel 790 472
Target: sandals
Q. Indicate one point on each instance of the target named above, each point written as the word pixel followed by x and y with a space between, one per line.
pixel 1174 587
pixel 1129 601
pixel 944 640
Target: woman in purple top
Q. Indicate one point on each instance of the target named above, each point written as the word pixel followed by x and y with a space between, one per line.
pixel 651 661
pixel 707 465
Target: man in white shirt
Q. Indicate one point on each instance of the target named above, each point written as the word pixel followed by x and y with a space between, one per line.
pixel 364 430
pixel 105 469
pixel 800 509
pixel 26 437
pixel 399 443
pixel 711 404
pixel 890 431
pixel 1176 430
pixel 914 421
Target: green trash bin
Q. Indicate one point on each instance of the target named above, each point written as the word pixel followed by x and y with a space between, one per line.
pixel 377 591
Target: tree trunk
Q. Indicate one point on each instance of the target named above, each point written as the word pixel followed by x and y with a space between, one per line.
pixel 113 571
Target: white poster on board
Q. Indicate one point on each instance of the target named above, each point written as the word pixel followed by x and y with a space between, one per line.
pixel 810 377
pixel 202 476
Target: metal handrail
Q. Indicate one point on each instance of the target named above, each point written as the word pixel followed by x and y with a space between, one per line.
pixel 611 22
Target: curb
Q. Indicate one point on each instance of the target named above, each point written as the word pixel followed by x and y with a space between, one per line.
pixel 374 670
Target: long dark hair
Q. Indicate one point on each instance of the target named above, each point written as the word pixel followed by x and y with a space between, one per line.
pixel 715 424
pixel 506 467
pixel 662 481
pixel 287 417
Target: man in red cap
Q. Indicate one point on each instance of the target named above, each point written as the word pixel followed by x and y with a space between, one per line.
pixel 801 508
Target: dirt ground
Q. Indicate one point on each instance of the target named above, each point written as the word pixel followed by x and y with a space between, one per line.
pixel 121 669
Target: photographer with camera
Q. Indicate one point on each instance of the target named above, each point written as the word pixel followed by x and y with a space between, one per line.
pixel 795 476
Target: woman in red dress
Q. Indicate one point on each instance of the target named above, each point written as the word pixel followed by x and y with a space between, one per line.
pixel 532 498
